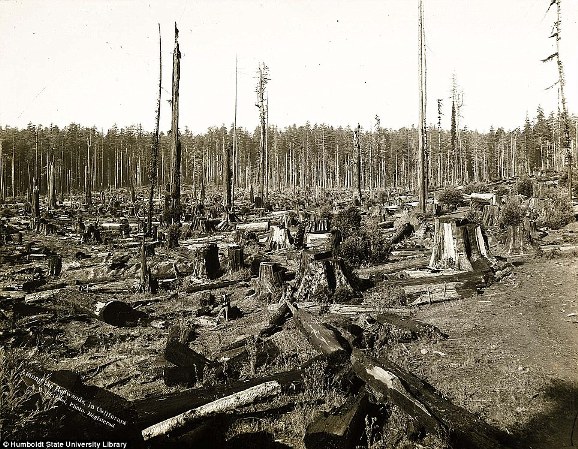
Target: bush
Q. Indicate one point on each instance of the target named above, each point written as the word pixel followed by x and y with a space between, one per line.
pixel 502 190
pixel 555 210
pixel 511 213
pixel 355 249
pixel 476 187
pixel 6 213
pixel 524 186
pixel 348 221
pixel 450 197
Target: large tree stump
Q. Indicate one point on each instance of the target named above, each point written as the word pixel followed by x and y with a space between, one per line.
pixel 279 238
pixel 206 261
pixel 322 277
pixel 460 245
pixel 271 278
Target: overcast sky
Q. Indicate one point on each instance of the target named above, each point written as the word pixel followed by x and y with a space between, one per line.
pixel 95 62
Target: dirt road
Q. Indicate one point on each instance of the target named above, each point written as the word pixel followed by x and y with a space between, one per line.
pixel 512 355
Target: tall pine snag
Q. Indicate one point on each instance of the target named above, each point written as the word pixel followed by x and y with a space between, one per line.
pixel 263 74
pixel 155 143
pixel 175 212
pixel 556 34
pixel 357 144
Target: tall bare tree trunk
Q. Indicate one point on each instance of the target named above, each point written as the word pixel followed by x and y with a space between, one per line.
pixel 176 142
pixel 155 144
pixel 357 143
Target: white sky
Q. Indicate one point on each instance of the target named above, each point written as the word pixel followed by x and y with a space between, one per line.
pixel 335 62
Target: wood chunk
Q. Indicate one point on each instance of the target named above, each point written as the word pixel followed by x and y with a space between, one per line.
pixel 339 429
pixel 321 338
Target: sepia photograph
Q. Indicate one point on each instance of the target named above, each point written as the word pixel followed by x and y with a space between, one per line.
pixel 289 224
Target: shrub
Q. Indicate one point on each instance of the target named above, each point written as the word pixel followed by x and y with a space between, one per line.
pixel 450 197
pixel 511 213
pixel 355 249
pixel 348 221
pixel 555 210
pixel 476 187
pixel 6 213
pixel 524 186
pixel 502 190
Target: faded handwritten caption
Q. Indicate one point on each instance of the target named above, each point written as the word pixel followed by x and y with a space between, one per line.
pixel 73 401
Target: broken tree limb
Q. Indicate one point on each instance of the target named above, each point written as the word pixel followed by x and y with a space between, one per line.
pixel 222 405
pixel 339 429
pixel 425 404
pixel 321 337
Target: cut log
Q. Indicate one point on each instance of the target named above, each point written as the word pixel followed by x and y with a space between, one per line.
pixel 210 286
pixel 321 337
pixel 259 226
pixel 427 406
pixel 115 313
pixel 339 429
pixel 415 327
pixel 223 405
pixel 157 408
pixel 404 231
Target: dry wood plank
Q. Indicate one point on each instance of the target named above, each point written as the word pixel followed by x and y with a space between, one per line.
pixel 426 405
pixel 223 405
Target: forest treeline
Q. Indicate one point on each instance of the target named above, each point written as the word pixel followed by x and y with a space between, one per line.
pixel 297 157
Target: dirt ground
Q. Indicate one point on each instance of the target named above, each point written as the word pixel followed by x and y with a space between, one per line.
pixel 512 354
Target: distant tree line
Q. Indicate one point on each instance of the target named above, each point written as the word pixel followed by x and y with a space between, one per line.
pixel 296 158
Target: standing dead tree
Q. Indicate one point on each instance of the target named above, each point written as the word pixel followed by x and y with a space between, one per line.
pixel 556 34
pixel 175 211
pixel 422 135
pixel 155 144
pixel 263 72
pixel 357 144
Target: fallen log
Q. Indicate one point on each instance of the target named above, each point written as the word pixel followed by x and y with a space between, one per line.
pixel 321 337
pixel 415 327
pixel 210 286
pixel 259 226
pixel 115 313
pixel 426 405
pixel 339 429
pixel 222 405
pixel 183 356
pixel 157 408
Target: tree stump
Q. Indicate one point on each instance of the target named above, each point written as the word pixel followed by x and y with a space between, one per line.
pixel 322 277
pixel 460 245
pixel 279 238
pixel 235 255
pixel 270 279
pixel 55 265
pixel 206 261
